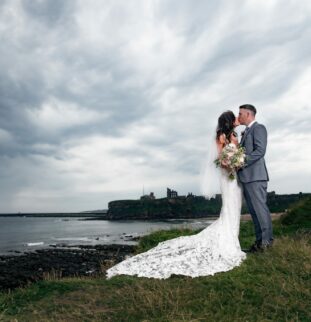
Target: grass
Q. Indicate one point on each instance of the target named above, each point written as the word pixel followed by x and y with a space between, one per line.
pixel 151 240
pixel 272 286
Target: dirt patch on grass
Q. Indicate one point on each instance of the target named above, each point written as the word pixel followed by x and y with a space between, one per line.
pixel 274 216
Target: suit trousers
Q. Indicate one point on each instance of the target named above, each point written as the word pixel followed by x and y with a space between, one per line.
pixel 255 194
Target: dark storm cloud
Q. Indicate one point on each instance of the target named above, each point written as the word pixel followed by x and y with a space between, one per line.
pixel 24 85
pixel 49 12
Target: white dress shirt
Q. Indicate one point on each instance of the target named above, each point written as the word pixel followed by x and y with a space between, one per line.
pixel 251 123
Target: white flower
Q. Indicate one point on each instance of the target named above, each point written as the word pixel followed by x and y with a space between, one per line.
pixel 232 145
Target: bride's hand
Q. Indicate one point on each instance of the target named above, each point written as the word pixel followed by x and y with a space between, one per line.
pixel 234 139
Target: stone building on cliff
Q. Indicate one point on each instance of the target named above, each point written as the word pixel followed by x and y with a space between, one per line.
pixel 171 193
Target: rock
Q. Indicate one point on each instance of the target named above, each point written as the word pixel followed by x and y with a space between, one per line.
pixel 85 260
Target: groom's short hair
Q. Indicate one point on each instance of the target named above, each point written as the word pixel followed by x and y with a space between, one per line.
pixel 250 108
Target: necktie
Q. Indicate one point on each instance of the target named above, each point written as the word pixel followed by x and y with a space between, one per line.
pixel 245 131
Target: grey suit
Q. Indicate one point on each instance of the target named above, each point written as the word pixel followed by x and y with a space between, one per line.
pixel 254 178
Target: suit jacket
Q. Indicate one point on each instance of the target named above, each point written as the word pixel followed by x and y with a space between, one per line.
pixel 255 142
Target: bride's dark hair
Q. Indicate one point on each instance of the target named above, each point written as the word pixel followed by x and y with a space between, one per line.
pixel 225 124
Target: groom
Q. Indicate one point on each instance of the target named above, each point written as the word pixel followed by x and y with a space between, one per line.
pixel 254 177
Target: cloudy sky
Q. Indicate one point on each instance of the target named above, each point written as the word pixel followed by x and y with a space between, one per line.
pixel 101 98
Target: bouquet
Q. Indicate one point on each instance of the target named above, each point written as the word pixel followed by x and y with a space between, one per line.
pixel 231 158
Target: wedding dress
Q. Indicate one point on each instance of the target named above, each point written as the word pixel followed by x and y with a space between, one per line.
pixel 214 249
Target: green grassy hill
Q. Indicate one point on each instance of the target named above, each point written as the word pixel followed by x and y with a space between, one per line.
pixel 186 207
pixel 270 286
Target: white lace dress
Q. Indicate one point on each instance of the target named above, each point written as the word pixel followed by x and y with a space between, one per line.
pixel 214 249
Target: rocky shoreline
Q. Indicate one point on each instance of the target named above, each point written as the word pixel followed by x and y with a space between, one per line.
pixel 82 260
pixel 65 260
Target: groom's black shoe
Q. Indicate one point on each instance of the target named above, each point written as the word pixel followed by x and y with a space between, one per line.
pixel 256 247
pixel 260 246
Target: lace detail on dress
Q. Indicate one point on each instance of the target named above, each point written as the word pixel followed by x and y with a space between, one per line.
pixel 214 249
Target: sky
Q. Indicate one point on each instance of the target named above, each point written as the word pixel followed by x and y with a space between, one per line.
pixel 102 100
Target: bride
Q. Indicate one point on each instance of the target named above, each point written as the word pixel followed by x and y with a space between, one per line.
pixel 214 249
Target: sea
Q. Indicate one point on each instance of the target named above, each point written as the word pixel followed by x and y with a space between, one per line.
pixel 26 234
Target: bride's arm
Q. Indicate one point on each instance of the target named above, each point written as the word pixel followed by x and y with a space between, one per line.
pixel 220 142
